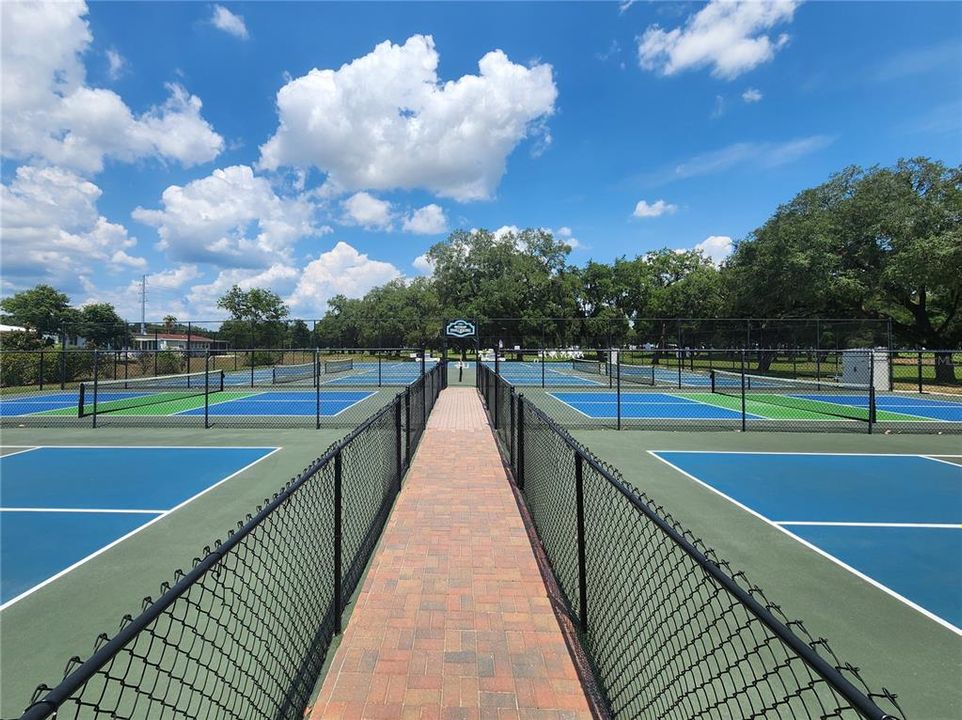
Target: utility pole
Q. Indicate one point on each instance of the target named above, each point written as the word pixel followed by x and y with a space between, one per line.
pixel 143 305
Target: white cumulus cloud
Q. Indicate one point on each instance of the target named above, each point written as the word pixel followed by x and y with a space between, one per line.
pixel 52 231
pixel 423 264
pixel 386 120
pixel 716 247
pixel 367 211
pixel 566 235
pixel 651 210
pixel 230 218
pixel 729 37
pixel 115 64
pixel 224 19
pixel 50 114
pixel 341 270
pixel 752 95
pixel 429 220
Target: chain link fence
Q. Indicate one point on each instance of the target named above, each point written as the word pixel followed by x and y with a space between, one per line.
pixel 764 389
pixel 306 387
pixel 670 629
pixel 244 632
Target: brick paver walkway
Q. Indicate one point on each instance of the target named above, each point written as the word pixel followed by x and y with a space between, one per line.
pixel 453 620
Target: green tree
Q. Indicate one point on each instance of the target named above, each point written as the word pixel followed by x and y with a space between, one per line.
pixel 300 334
pixel 256 317
pixel 101 325
pixel 41 309
pixel 876 243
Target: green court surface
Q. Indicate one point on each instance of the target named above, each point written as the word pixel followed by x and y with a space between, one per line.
pixel 160 404
pixel 39 633
pixel 895 646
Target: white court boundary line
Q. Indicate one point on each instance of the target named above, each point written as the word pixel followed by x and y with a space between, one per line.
pixel 29 448
pixel 831 523
pixel 92 511
pixel 828 556
pixel 147 524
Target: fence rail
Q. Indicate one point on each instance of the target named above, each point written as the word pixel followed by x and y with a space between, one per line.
pixel 244 632
pixel 670 629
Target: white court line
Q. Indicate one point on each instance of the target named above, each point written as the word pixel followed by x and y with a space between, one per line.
pixel 871 581
pixel 19 452
pixel 133 532
pixel 817 523
pixel 792 452
pixel 82 510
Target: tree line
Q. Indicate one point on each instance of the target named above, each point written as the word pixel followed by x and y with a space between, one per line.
pixel 881 244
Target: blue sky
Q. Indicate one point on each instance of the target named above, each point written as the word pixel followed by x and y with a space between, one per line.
pixel 319 149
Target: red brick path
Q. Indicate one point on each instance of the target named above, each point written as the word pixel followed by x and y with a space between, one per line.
pixel 453 620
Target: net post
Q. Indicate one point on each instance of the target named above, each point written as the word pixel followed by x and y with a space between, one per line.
pixel 96 373
pixel 871 390
pixel 818 368
pixel 611 354
pixel 398 463
pixel 711 375
pixel 206 389
pixel 681 360
pixel 582 559
pixel 618 393
pixel 40 378
pixel 519 477
pixel 80 399
pixel 920 373
pixel 744 419
pixel 252 365
pixel 338 604
pixel 407 426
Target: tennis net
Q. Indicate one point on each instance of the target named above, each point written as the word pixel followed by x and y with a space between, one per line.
pixel 594 367
pixel 293 373
pixel 336 366
pixel 640 374
pixel 805 399
pixel 106 396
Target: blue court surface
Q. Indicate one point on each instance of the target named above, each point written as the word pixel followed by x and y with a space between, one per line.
pixel 59 506
pixel 274 402
pixel 895 520
pixel 651 405
pixel 233 402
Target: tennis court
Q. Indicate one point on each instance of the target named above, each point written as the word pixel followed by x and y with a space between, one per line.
pixel 893 520
pixel 60 508
pixel 760 406
pixel 300 403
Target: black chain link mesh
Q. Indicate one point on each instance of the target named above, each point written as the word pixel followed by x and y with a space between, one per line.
pixel 244 632
pixel 671 630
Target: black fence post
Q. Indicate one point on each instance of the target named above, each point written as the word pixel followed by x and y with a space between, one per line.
pixel 744 419
pixel 399 467
pixel 207 390
pixel 519 476
pixel 871 390
pixel 380 378
pixel 338 604
pixel 407 425
pixel 543 360
pixel 920 373
pixel 96 373
pixel 41 371
pixel 63 356
pixel 511 429
pixel 317 389
pixel 582 554
pixel 618 392
pixel 497 391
